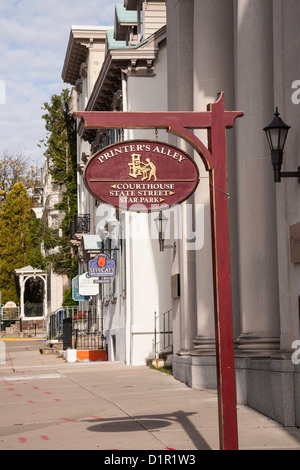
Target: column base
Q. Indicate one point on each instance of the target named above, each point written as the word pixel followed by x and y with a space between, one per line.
pixel 256 346
pixel 282 354
pixel 183 352
pixel 204 346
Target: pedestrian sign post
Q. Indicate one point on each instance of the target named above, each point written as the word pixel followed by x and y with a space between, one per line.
pixel 216 120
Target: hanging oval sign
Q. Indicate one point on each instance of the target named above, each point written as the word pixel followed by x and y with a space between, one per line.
pixel 141 175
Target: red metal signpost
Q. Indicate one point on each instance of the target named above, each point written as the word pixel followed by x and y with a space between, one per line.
pixel 216 120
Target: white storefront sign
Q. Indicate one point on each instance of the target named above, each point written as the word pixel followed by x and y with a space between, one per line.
pixel 86 285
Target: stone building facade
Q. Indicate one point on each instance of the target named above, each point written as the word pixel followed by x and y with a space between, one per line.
pixel 249 50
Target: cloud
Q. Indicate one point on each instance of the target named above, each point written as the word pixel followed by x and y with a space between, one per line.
pixel 33 41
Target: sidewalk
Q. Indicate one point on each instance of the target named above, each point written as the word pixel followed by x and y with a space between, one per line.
pixel 47 403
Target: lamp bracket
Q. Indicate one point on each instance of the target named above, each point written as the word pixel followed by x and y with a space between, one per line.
pixel 163 246
pixel 291 174
pixel 173 247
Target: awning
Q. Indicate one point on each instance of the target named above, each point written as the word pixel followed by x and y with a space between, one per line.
pixel 92 243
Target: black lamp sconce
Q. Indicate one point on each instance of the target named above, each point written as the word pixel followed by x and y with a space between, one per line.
pixel 276 133
pixel 161 224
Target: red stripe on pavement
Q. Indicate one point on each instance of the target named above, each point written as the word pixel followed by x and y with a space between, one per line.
pixel 72 420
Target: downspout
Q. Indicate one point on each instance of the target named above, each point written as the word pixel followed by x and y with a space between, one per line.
pixel 128 251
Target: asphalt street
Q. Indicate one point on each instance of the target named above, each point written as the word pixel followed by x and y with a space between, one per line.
pixel 47 403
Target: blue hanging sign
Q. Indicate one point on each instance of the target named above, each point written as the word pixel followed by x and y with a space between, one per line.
pixel 75 291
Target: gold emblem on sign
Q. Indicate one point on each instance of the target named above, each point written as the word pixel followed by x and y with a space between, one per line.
pixel 140 169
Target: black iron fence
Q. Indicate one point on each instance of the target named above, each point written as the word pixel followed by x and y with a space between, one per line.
pixel 163 333
pixel 33 309
pixel 90 341
pixel 80 224
pixel 76 329
pixel 53 324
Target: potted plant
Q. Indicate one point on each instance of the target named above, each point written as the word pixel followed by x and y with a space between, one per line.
pixel 80 321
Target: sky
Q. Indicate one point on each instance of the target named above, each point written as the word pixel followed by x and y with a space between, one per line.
pixel 34 35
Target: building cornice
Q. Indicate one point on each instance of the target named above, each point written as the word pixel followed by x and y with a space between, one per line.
pixel 80 40
pixel 138 61
pixel 125 60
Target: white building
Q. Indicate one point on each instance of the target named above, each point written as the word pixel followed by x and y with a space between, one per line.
pixel 47 195
pixel 50 285
pixel 121 68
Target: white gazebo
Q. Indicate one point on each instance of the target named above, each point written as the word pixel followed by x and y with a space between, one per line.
pixel 24 274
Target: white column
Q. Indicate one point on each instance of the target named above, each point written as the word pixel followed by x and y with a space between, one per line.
pixel 44 278
pixel 22 286
pixel 213 73
pixel 259 300
pixel 180 98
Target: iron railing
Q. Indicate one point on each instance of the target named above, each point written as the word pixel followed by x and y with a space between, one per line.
pixel 163 333
pixel 33 309
pixel 89 331
pixel 80 224
pixel 86 327
pixel 53 324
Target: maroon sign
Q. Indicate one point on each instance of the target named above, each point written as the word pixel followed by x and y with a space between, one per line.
pixel 141 175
